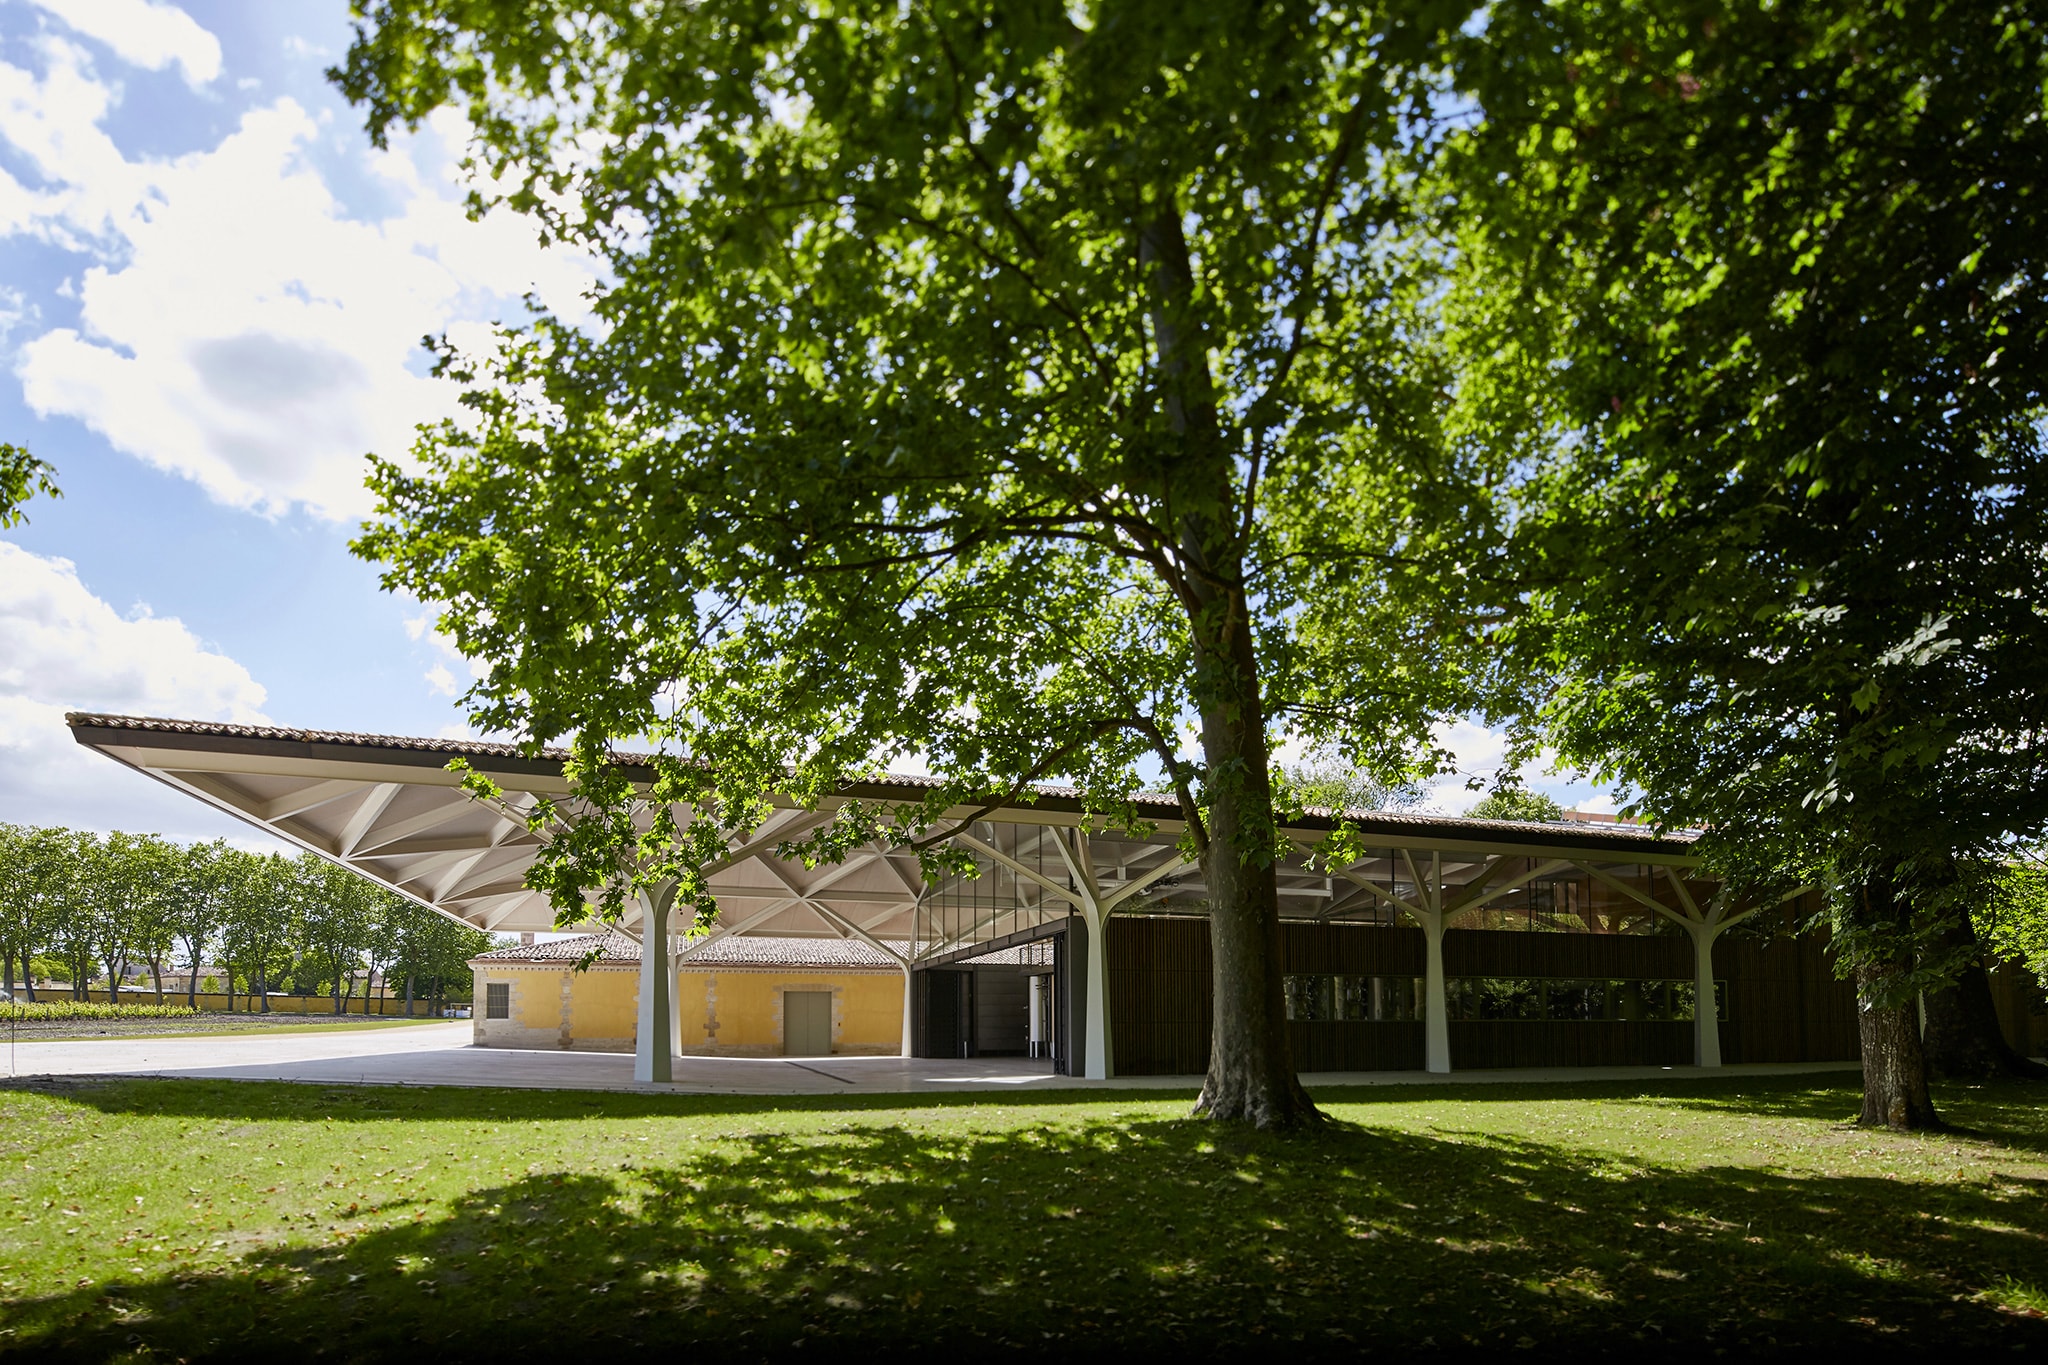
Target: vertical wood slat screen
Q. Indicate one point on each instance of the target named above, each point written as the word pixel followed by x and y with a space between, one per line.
pixel 1784 1002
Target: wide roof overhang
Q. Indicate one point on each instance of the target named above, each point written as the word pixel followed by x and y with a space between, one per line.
pixel 389 808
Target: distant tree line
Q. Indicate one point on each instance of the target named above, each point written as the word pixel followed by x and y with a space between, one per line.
pixel 82 906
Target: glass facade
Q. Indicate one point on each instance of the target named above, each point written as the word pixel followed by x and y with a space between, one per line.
pixel 1374 999
pixel 1531 999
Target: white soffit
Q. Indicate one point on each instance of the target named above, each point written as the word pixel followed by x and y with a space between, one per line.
pixel 388 808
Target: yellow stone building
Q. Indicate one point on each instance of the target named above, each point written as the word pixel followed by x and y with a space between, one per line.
pixel 738 996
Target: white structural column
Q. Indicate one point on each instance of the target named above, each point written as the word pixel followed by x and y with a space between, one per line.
pixel 909 1006
pixel 1095 905
pixel 1098 1053
pixel 1427 910
pixel 1706 1018
pixel 676 945
pixel 1436 1018
pixel 1436 1024
pixel 1703 927
pixel 654 1040
pixel 1099 1061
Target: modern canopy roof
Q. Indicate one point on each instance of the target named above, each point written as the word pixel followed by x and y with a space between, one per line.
pixel 388 807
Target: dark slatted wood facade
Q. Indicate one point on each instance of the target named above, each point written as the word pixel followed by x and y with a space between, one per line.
pixel 1159 991
pixel 1784 1003
pixel 1506 952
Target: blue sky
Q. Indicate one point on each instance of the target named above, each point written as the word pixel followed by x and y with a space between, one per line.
pixel 211 302
pixel 212 291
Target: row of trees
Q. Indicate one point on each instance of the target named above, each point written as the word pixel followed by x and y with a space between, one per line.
pixel 1052 389
pixel 105 905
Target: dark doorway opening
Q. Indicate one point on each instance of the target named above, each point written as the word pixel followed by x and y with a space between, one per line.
pixel 1009 998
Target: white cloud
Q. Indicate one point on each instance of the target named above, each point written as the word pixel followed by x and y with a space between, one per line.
pixel 241 329
pixel 144 33
pixel 16 312
pixel 62 648
pixel 1482 754
pixel 53 123
pixel 441 676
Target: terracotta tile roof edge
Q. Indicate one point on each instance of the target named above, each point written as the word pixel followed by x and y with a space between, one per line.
pixel 745 950
pixel 618 948
pixel 236 730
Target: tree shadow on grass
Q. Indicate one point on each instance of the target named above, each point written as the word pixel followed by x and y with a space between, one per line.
pixel 2012 1114
pixel 1809 1095
pixel 2009 1113
pixel 1146 1236
pixel 252 1100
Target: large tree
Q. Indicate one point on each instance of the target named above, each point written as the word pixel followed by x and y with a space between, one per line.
pixel 70 890
pixel 340 920
pixel 264 928
pixel 1774 281
pixel 199 903
pixel 153 876
pixel 1042 390
pixel 33 864
pixel 434 951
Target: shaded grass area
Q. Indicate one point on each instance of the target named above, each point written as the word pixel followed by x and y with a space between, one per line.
pixel 195 1219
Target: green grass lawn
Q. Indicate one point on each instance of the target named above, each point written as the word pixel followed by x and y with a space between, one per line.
pixel 191 1218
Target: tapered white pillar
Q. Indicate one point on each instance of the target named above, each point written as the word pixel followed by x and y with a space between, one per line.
pixel 909 1018
pixel 654 1036
pixel 1098 1051
pixel 675 999
pixel 1706 1018
pixel 1436 1024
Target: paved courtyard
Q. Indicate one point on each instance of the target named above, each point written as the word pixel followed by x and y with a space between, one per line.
pixel 441 1054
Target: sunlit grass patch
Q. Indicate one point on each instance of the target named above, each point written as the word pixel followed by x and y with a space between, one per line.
pixel 199 1216
pixel 2019 1295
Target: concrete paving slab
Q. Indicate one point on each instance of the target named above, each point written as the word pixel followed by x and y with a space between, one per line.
pixel 442 1054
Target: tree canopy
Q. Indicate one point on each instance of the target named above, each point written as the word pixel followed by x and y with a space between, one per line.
pixel 2013 916
pixel 1058 390
pixel 1774 280
pixel 272 921
pixel 1041 392
pixel 1516 803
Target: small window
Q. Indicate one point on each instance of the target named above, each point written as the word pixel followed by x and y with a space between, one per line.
pixel 1310 997
pixel 498 1000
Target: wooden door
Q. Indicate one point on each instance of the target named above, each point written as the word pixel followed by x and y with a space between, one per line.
pixel 807 1023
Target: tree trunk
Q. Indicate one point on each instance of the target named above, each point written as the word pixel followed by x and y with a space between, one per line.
pixel 1963 1038
pixel 1251 1067
pixel 408 995
pixel 10 971
pixel 1251 1070
pixel 28 973
pixel 192 985
pixel 1894 1067
pixel 156 970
